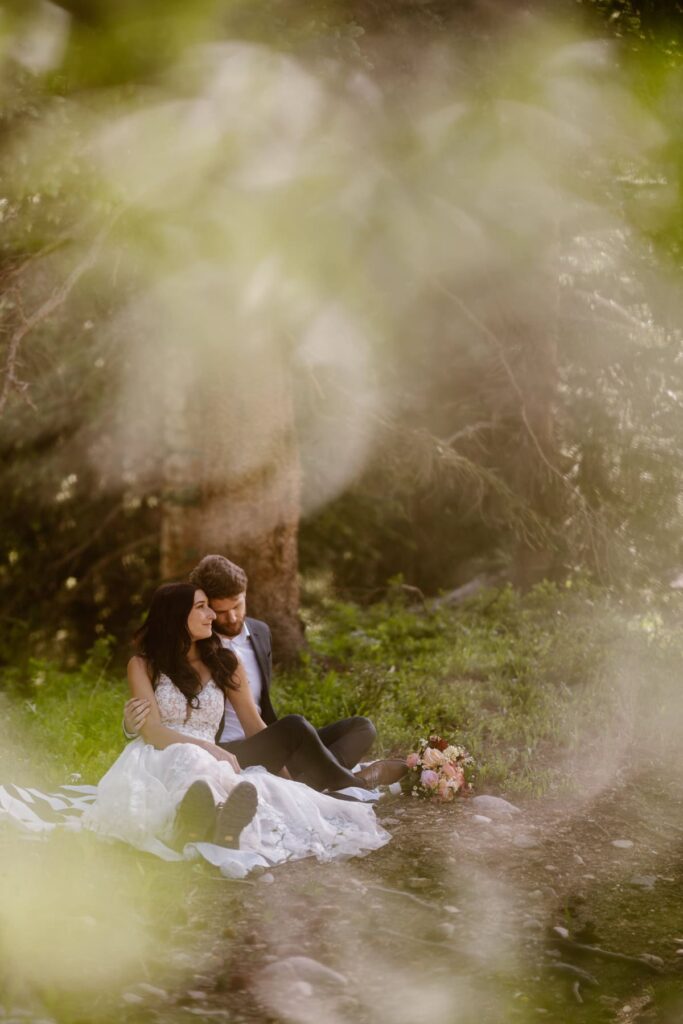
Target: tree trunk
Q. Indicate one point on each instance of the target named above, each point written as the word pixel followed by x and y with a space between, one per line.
pixel 232 476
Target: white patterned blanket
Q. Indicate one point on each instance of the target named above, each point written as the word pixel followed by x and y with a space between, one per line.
pixel 36 811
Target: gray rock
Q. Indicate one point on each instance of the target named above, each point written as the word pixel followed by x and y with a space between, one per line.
pixel 481 819
pixel 293 988
pixel 494 805
pixel 525 842
pixel 622 844
pixel 302 988
pixel 643 882
pixel 151 990
pixel 303 968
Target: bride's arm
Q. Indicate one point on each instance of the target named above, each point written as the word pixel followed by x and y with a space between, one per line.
pixel 153 731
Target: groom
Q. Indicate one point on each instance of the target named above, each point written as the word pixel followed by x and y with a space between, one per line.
pixel 322 758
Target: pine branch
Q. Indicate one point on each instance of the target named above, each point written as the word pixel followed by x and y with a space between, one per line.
pixel 10 379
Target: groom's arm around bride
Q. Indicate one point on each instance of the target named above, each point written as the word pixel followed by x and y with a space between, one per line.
pixel 250 729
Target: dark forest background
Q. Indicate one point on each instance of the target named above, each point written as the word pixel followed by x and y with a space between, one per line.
pixel 534 424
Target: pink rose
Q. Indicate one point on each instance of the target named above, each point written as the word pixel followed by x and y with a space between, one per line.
pixel 429 779
pixel 455 776
pixel 413 760
pixel 432 758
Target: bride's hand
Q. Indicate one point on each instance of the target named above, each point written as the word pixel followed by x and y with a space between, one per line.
pixel 225 755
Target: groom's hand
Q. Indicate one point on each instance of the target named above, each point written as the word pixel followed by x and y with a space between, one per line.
pixel 135 714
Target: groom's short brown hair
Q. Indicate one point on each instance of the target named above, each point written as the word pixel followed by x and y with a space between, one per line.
pixel 218 577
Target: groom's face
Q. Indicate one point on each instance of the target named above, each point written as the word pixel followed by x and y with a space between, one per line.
pixel 230 612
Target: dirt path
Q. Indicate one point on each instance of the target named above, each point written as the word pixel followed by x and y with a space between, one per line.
pixel 456 920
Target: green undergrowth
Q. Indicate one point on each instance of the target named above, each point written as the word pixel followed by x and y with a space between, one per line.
pixel 530 684
pixel 525 682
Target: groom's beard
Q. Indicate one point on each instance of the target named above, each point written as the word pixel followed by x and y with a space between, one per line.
pixel 228 631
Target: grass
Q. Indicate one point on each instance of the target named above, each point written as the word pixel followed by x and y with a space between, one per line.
pixel 523 681
pixel 531 684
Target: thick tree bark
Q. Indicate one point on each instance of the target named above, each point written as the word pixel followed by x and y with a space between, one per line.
pixel 232 479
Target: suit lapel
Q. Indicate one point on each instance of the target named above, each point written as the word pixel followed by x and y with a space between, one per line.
pixel 261 655
pixel 260 641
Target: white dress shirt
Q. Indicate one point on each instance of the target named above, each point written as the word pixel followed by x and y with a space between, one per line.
pixel 242 646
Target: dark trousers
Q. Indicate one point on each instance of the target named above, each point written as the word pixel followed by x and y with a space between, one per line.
pixel 319 757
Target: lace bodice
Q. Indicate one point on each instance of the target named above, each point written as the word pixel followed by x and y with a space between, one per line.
pixel 201 722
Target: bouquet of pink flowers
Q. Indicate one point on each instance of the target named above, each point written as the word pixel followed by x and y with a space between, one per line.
pixel 438 769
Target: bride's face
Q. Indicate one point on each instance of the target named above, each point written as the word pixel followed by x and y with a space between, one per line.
pixel 200 619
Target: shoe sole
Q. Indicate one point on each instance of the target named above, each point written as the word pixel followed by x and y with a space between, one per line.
pixel 195 816
pixel 383 773
pixel 235 814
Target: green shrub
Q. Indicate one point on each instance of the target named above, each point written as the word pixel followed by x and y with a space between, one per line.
pixel 522 681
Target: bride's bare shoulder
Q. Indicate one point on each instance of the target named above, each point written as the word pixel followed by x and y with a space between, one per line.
pixel 138 666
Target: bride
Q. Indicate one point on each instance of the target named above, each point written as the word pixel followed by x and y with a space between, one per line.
pixel 174 789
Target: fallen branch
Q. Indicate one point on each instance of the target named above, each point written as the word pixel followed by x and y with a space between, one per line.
pixel 406 895
pixel 606 954
pixel 577 972
pixel 467 590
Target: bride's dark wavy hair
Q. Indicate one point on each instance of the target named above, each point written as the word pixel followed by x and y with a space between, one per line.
pixel 164 641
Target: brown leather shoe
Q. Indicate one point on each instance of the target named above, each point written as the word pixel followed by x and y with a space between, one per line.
pixel 383 772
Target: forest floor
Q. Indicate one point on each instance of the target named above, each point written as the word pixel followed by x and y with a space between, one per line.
pixel 456 918
pixel 570 701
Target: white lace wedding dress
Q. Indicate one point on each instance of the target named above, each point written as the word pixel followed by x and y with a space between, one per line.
pixel 137 799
